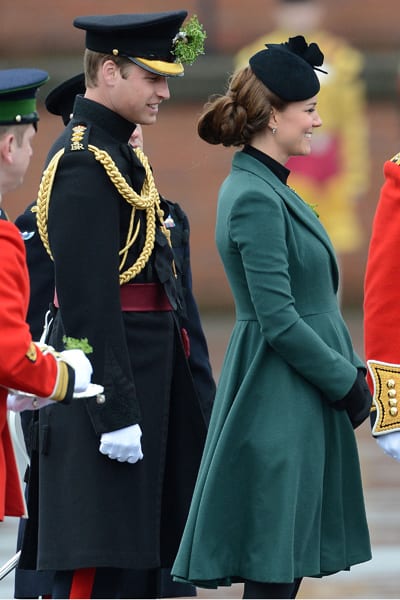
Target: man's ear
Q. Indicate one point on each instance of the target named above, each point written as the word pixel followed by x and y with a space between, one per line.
pixel 109 71
pixel 7 143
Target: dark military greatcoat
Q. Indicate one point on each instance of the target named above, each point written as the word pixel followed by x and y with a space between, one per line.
pixel 94 511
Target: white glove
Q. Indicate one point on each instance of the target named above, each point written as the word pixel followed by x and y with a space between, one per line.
pixel 81 365
pixel 123 444
pixel 18 402
pixel 390 444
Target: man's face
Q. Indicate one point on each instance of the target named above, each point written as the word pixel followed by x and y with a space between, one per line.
pixel 18 144
pixel 137 94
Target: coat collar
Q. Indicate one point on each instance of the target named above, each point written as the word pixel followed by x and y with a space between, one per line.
pixel 293 201
pixel 104 118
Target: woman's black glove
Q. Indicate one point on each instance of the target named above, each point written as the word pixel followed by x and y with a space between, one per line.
pixel 357 402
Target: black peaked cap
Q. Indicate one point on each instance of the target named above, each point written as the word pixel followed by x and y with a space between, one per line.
pixel 147 36
pixel 60 101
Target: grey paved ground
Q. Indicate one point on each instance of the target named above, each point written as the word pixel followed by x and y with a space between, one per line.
pixel 379 578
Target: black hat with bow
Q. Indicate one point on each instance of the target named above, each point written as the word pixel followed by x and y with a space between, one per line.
pixel 288 69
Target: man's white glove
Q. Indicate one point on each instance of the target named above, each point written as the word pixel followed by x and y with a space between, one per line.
pixel 390 444
pixel 123 444
pixel 19 402
pixel 78 360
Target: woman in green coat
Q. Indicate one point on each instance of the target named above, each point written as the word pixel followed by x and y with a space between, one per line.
pixel 279 494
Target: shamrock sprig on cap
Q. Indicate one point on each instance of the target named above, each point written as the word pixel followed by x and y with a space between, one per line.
pixel 188 43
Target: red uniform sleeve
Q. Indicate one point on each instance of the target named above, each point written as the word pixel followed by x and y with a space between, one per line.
pixel 22 365
pixel 382 280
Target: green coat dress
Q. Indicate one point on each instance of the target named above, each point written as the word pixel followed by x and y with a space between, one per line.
pixel 279 493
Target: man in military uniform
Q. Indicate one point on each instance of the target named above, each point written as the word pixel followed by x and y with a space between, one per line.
pixel 60 101
pixel 38 375
pixel 120 501
pixel 381 313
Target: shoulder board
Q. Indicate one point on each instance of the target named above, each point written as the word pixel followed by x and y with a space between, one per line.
pixel 396 159
pixel 386 380
pixel 78 140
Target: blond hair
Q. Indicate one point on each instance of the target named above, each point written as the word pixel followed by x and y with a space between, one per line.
pixel 93 60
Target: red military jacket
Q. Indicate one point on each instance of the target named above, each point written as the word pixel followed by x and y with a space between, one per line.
pixel 382 304
pixel 22 365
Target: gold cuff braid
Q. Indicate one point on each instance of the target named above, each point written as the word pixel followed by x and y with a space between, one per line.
pixel 386 379
pixel 61 387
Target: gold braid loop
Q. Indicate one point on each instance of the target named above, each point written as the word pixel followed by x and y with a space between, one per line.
pixel 148 200
pixel 42 202
pixel 149 178
pixel 149 194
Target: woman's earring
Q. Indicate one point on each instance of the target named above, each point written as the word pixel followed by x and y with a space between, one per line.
pixel 273 130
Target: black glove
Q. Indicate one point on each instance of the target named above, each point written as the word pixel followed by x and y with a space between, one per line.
pixel 357 402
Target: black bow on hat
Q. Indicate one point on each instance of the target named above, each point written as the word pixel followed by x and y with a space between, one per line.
pixel 309 52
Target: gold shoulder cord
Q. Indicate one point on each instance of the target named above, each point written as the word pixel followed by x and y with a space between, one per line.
pixel 148 200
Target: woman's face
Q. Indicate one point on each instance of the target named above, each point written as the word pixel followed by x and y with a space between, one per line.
pixel 294 127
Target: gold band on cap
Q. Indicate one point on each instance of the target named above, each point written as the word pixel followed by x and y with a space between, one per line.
pixel 159 67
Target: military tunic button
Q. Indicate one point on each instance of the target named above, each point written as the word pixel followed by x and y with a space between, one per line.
pixel 393 411
pixel 392 393
pixel 392 402
pixel 390 383
pixel 100 398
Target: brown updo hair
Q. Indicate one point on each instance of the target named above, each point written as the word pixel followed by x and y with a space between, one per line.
pixel 234 118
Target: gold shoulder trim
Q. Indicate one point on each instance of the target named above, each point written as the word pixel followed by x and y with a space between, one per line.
pixel 396 159
pixel 386 379
pixel 148 201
